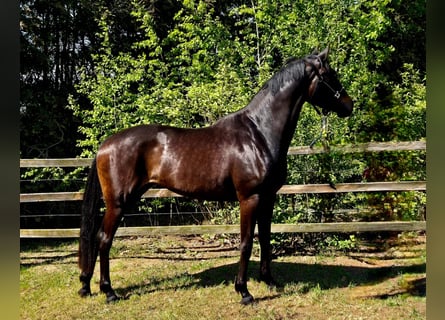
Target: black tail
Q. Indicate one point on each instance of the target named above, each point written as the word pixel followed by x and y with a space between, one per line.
pixel 90 220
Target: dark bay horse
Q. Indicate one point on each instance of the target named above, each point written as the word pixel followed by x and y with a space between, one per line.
pixel 241 157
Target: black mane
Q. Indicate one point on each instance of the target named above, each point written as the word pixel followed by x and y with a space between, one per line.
pixel 293 70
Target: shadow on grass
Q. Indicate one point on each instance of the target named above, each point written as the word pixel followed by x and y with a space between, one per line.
pixel 45 251
pixel 306 276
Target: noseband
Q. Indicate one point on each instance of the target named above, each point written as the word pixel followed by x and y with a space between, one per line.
pixel 336 93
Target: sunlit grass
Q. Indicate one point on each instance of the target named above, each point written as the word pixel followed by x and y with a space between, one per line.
pixel 193 284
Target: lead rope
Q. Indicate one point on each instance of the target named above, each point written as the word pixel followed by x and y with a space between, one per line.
pixel 323 136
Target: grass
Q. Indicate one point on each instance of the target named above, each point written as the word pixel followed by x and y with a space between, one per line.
pixel 192 278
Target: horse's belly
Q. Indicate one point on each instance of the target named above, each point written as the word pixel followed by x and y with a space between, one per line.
pixel 209 195
pixel 197 186
pixel 203 189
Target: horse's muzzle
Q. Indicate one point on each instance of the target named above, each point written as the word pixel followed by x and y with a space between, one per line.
pixel 347 106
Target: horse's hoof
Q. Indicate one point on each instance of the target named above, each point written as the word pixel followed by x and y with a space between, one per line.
pixel 270 282
pixel 84 292
pixel 272 285
pixel 247 300
pixel 112 298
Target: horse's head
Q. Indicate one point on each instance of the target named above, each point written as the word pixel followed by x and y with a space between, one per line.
pixel 325 90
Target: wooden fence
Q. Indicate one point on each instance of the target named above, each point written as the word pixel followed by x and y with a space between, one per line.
pixel 287 189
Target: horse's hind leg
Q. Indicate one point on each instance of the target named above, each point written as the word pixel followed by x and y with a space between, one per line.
pixel 264 230
pixel 248 209
pixel 106 234
pixel 87 274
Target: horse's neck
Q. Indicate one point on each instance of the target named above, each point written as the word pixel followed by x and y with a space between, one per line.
pixel 276 116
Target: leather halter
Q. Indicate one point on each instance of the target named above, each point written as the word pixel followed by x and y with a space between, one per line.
pixel 337 93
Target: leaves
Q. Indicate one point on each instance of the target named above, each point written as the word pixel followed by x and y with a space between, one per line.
pixel 206 59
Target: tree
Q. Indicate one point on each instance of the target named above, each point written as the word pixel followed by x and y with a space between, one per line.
pixel 188 63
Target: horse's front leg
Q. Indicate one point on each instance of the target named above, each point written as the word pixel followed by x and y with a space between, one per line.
pixel 248 209
pixel 109 226
pixel 264 230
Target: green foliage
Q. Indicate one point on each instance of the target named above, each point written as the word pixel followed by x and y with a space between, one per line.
pixel 398 110
pixel 204 59
pixel 186 86
pixel 338 243
pixel 52 47
pixel 51 179
pixel 399 113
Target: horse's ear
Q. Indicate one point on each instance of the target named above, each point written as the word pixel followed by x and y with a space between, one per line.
pixel 315 51
pixel 324 54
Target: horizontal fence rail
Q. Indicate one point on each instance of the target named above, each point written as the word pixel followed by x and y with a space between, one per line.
pixel 346 227
pixel 362 147
pixel 304 150
pixel 338 227
pixel 286 189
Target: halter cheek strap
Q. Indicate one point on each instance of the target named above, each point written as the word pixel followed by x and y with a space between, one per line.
pixel 337 93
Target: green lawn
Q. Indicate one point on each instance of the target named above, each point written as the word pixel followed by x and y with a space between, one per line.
pixel 192 278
